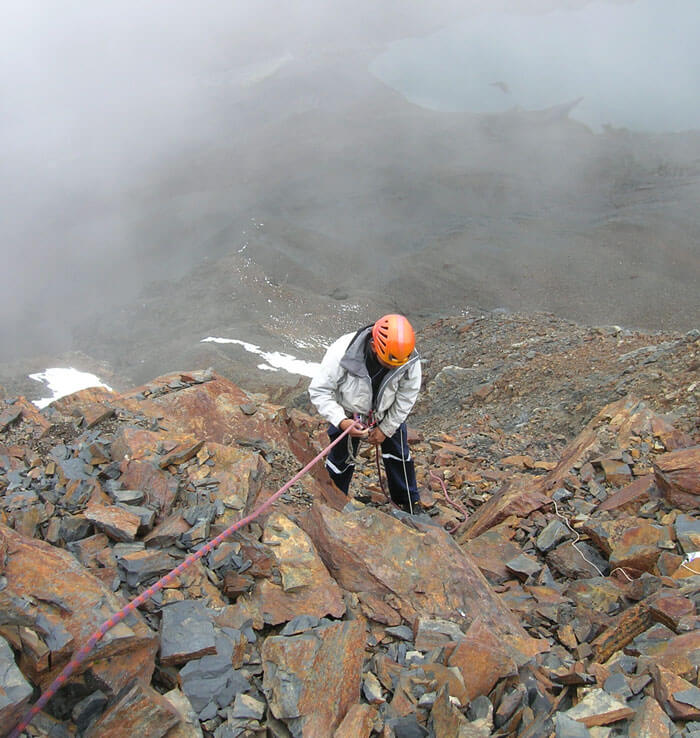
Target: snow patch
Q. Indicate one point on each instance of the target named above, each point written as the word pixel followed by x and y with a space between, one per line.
pixel 63 381
pixel 274 360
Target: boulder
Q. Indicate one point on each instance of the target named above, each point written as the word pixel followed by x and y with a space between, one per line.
pixel 305 587
pixel 311 680
pixel 421 565
pixel 66 606
pixel 141 711
pixel 15 691
pixel 678 476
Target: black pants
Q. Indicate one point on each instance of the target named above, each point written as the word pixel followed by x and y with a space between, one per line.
pixel 398 464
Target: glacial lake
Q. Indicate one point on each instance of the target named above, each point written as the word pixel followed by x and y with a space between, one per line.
pixel 633 65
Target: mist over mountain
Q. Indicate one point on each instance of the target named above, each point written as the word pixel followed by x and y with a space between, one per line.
pixel 180 170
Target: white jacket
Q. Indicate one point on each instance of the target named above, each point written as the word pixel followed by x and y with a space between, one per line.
pixel 342 386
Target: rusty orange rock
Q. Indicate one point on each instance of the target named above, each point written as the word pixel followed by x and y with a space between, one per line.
pixel 67 606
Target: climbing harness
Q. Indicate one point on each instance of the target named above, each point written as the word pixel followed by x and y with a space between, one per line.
pixel 372 424
pixel 83 653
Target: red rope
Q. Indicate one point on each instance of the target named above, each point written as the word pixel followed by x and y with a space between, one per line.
pixel 82 654
pixel 452 530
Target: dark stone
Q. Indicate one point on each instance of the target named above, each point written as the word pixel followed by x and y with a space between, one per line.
pixel 561 494
pixel 75 469
pixel 552 535
pixel 689 697
pixel 479 708
pixel 567 727
pixel 403 632
pixel 617 686
pixel 141 566
pixel 88 709
pixel 649 640
pixel 688 533
pixel 127 496
pixel 213 678
pixel 15 691
pixel 577 561
pixel 300 624
pixel 146 515
pixel 194 514
pixel 407 727
pixel 187 633
pixel 523 566
pixel 74 528
pixel 198 533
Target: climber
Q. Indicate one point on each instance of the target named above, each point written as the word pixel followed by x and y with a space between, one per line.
pixel 373 375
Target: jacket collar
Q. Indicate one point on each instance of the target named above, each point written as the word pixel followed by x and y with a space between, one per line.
pixel 354 358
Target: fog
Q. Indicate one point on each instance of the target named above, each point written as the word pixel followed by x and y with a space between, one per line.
pixel 172 168
pixel 100 101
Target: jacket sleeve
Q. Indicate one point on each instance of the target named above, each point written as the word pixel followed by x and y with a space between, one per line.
pixel 324 385
pixel 406 396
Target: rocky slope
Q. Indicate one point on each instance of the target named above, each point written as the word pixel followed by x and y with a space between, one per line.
pixel 546 587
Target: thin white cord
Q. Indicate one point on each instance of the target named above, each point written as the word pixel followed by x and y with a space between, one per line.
pixel 405 476
pixel 578 538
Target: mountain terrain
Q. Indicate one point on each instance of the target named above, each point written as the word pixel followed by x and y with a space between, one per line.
pixel 545 586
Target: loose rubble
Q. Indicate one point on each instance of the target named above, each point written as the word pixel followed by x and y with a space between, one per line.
pixel 565 604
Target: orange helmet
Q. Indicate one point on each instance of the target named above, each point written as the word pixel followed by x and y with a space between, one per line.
pixel 393 339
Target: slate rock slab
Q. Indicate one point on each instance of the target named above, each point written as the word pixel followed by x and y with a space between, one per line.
pixel 311 680
pixel 430 576
pixel 64 611
pixel 141 711
pixel 211 682
pixel 15 691
pixel 187 632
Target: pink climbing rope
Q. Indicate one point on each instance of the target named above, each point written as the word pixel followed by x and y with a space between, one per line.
pixel 452 530
pixel 83 653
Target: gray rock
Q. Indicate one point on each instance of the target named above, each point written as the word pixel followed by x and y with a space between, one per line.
pixel 567 727
pixel 561 494
pixel 187 633
pixel 198 533
pixel 46 725
pixel 648 641
pixel 248 707
pixel 688 533
pixel 240 727
pixel 480 708
pixel 523 566
pixel 88 709
pixel 689 697
pixel 189 720
pixel 407 727
pixel 617 685
pixel 213 678
pixel 402 632
pixel 209 711
pixel 300 624
pixel 144 565
pixel 569 560
pixel 552 535
pixel 127 496
pixel 597 704
pixel 206 511
pixel 15 691
pixel 74 528
pixel 372 689
pixel 145 514
pixel 122 549
pixel 436 632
